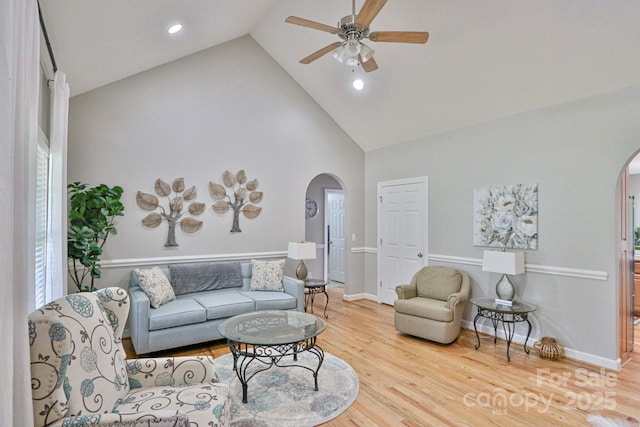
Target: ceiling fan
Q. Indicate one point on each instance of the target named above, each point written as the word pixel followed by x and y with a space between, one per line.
pixel 352 29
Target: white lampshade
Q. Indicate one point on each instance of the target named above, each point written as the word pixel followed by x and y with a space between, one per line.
pixel 503 262
pixel 302 250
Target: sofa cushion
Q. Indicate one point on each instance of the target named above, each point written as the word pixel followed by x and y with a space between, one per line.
pixel 425 307
pixel 437 282
pixel 267 275
pixel 225 304
pixel 270 300
pixel 205 276
pixel 182 311
pixel 155 284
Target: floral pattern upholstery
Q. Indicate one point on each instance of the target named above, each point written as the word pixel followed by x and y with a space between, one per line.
pixel 80 376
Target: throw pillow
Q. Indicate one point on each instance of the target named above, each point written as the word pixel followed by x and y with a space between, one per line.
pixel 155 284
pixel 267 275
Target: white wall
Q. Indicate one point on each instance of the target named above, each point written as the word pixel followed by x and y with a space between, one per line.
pixel 228 107
pixel 575 152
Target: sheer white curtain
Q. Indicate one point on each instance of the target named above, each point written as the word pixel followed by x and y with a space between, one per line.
pixel 19 73
pixel 57 247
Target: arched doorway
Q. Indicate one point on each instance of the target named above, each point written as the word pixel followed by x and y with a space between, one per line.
pixel 325 225
pixel 629 221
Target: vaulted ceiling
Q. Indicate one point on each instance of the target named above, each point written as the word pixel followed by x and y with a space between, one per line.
pixel 484 59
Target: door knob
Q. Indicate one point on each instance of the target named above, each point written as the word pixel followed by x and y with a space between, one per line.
pixel 419 254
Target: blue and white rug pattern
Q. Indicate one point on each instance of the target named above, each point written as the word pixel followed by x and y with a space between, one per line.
pixel 286 396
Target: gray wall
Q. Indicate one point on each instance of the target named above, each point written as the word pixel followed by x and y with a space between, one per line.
pixel 232 107
pixel 315 227
pixel 575 152
pixel 229 107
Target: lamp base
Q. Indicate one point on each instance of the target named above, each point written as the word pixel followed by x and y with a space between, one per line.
pixel 505 289
pixel 301 271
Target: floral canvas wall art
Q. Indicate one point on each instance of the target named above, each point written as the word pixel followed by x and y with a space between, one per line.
pixel 506 216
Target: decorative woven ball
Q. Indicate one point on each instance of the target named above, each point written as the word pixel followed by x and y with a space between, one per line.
pixel 549 348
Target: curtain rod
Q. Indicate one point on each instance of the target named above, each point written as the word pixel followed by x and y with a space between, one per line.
pixel 46 39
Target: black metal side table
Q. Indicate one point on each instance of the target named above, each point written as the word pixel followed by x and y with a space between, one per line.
pixel 508 315
pixel 312 287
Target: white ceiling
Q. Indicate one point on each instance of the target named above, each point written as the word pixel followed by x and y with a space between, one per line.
pixel 484 59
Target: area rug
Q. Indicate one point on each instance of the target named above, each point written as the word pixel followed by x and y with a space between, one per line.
pixel 286 396
pixel 602 421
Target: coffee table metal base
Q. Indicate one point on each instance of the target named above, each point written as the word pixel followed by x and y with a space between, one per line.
pixel 263 357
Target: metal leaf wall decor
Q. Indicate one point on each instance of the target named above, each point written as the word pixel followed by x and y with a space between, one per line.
pixel 239 195
pixel 176 195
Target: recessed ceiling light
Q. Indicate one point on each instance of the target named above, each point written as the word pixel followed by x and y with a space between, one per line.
pixel 358 84
pixel 175 28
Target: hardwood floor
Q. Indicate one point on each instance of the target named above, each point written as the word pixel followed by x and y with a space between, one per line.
pixel 406 381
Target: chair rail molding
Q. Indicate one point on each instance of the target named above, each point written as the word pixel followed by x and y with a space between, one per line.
pixel 135 262
pixel 530 268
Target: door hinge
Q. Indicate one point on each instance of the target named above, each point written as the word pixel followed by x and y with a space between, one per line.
pixel 381 283
pixel 380 197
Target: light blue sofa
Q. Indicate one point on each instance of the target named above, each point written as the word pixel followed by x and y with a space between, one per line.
pixel 194 317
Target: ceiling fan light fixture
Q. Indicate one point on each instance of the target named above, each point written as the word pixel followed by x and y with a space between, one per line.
pixel 352 47
pixel 366 53
pixel 339 54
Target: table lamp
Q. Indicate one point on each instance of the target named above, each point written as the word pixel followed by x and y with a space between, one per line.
pixel 302 251
pixel 505 263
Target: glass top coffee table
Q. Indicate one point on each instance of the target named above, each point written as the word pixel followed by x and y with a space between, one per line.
pixel 263 339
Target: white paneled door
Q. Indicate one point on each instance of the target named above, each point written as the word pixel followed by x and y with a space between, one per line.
pixel 336 238
pixel 402 233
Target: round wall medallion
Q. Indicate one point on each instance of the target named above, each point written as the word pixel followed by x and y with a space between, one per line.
pixel 311 208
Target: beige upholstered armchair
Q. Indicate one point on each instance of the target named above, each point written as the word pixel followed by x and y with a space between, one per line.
pixel 80 377
pixel 431 305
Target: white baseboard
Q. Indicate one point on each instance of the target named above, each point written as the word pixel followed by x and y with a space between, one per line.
pixel 364 295
pixel 569 353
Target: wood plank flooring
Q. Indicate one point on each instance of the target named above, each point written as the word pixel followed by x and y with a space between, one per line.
pixel 406 381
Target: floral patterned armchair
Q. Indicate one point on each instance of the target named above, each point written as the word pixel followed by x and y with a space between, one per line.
pixel 80 377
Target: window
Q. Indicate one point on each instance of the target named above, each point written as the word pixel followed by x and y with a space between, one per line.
pixel 42 290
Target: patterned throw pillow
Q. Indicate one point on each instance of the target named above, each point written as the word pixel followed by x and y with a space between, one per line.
pixel 155 284
pixel 267 275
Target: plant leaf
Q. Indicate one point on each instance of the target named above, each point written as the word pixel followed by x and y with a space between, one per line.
pixel 162 188
pixel 251 211
pixel 190 194
pixel 252 185
pixel 228 179
pixel 221 207
pixel 178 185
pixel 241 176
pixel 196 208
pixel 217 191
pixel 190 225
pixel 148 202
pixel 152 220
pixel 240 194
pixel 255 196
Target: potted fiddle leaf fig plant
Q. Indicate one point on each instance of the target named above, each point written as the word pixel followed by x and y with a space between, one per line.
pixel 92 212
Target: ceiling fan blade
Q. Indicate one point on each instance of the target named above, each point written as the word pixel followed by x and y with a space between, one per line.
pixel 368 66
pixel 399 36
pixel 311 24
pixel 369 10
pixel 317 54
